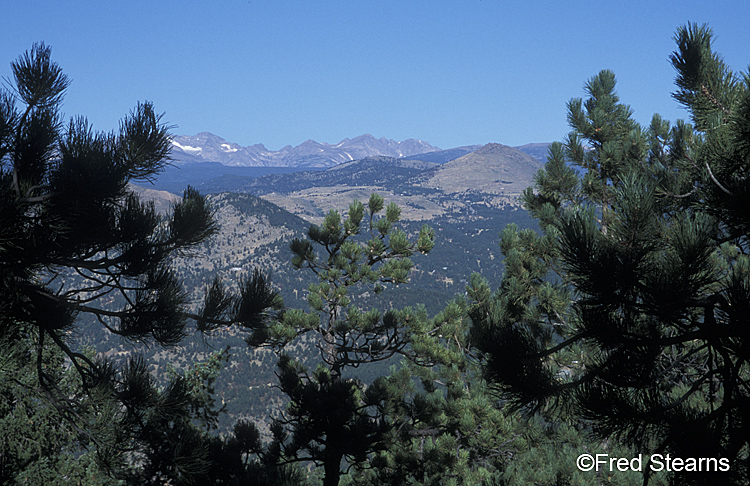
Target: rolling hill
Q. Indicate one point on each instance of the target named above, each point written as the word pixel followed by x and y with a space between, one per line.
pixel 492 169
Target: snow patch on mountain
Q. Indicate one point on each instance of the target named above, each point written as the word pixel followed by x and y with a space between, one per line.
pixel 186 148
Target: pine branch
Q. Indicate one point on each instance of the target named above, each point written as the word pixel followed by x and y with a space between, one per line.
pixel 711 174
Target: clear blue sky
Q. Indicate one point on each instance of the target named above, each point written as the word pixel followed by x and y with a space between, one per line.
pixel 279 72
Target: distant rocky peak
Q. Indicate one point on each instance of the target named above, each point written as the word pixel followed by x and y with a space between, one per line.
pixel 207 147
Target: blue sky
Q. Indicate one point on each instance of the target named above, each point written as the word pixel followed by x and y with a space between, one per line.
pixel 280 72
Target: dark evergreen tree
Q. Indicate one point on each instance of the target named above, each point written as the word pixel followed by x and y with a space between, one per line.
pixel 76 241
pixel 630 309
pixel 172 440
pixel 332 417
pixel 448 427
pixel 38 446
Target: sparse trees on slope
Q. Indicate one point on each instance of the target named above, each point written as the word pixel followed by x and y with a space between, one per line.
pixel 631 308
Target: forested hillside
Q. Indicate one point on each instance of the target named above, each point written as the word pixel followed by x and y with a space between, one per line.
pixel 256 234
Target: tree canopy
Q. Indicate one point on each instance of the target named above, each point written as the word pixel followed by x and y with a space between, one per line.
pixel 629 309
pixel 76 242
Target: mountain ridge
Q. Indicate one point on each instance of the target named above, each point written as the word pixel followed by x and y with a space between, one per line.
pixel 207 147
pixel 491 177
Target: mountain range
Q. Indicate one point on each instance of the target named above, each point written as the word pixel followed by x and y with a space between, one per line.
pixel 492 176
pixel 207 147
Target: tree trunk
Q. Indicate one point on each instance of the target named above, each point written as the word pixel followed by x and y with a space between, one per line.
pixel 331 466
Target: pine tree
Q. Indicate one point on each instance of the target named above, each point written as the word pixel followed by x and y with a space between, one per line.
pixel 629 310
pixel 76 242
pixel 38 446
pixel 332 417
pixel 449 428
